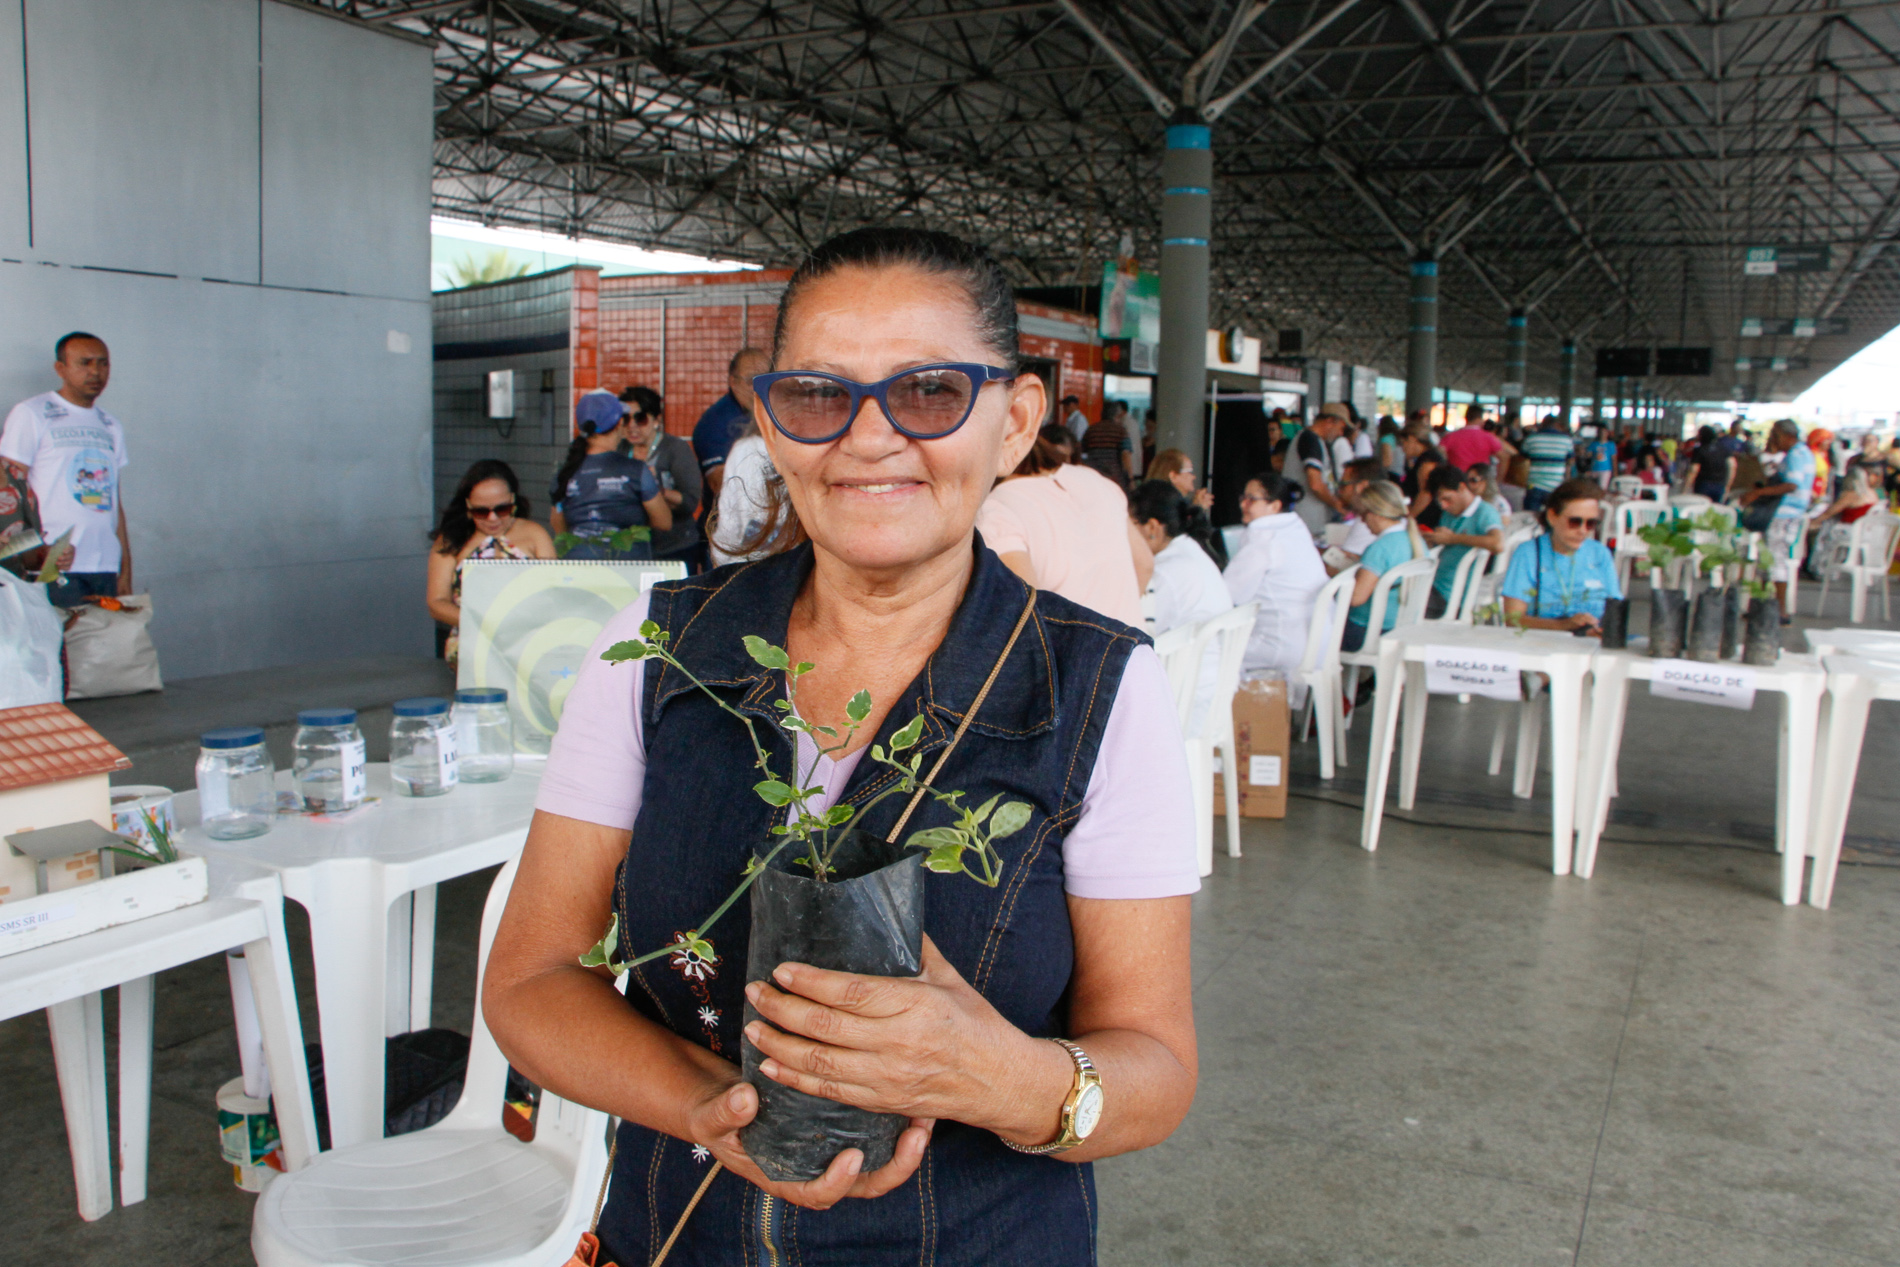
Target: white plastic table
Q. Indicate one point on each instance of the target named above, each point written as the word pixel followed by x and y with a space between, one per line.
pixel 374 963
pixel 66 979
pixel 1881 644
pixel 1797 678
pixel 1401 679
pixel 1853 684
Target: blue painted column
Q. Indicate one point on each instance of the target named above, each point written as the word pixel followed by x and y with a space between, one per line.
pixel 1187 177
pixel 1517 333
pixel 1421 353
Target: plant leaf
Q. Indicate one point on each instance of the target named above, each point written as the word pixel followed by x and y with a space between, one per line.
pixel 983 811
pixel 826 731
pixel 765 653
pixel 773 793
pixel 937 838
pixel 945 858
pixel 1009 820
pixel 632 649
pixel 860 706
pixel 802 668
pixel 791 722
pixel 838 815
pixel 877 753
pixel 752 866
pixel 909 734
pixel 601 955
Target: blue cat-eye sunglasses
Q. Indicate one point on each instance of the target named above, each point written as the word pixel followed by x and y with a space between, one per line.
pixel 927 402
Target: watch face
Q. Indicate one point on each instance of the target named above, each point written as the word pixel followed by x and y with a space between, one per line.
pixel 1088 1111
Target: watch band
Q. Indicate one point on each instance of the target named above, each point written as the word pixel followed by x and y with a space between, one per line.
pixel 1085 1077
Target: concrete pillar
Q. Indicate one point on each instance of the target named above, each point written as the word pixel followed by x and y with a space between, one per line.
pixel 1421 354
pixel 1596 401
pixel 1187 178
pixel 1622 400
pixel 1516 333
pixel 1566 379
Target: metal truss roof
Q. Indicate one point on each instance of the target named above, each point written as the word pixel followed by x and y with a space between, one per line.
pixel 1603 163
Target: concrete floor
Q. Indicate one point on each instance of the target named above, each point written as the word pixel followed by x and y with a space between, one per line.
pixel 1438 1053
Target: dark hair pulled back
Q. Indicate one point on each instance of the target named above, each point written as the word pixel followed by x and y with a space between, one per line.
pixel 453 532
pixel 973 269
pixel 1162 502
pixel 646 402
pixel 1278 488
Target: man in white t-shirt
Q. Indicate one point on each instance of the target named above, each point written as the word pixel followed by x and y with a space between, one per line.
pixel 70 452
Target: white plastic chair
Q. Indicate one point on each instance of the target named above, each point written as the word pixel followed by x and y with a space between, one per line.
pixel 1690 503
pixel 1231 630
pixel 1322 673
pixel 1630 518
pixel 1868 555
pixel 1414 579
pixel 1464 584
pixel 460 1193
pixel 1487 588
pixel 1625 486
pixel 1182 650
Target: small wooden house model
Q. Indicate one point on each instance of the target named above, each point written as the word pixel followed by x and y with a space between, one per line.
pixel 53 773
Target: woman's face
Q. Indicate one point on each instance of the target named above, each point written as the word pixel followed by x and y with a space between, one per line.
pixel 1574 523
pixel 874 498
pixel 1254 503
pixel 1412 445
pixel 487 498
pixel 1183 480
pixel 641 428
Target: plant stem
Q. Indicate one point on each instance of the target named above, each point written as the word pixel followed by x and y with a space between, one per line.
pixel 723 907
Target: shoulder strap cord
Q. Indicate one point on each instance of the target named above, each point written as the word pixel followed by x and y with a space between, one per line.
pixel 996 669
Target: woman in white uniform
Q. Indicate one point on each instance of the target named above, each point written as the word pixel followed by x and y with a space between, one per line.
pixel 1186 587
pixel 1279 568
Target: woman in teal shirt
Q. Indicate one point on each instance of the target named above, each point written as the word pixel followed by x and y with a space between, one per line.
pixel 1561 579
pixel 1396 541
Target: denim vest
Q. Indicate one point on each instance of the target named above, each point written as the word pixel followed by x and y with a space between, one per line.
pixel 973 1201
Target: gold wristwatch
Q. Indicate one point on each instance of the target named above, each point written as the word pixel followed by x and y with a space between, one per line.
pixel 1081 1112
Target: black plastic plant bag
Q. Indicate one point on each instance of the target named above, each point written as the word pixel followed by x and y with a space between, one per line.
pixel 1764 632
pixel 1616 623
pixel 1705 629
pixel 871 921
pixel 1668 616
pixel 1732 623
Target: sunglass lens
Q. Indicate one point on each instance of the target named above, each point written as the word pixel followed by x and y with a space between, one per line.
pixel 931 402
pixel 1578 521
pixel 809 408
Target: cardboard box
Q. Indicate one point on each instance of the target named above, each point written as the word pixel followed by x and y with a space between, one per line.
pixel 1263 734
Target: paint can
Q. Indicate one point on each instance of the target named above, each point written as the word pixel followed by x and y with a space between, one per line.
pixel 248 1132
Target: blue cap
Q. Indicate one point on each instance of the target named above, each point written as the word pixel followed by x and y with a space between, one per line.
pixel 233 737
pixel 327 717
pixel 481 695
pixel 421 706
pixel 599 411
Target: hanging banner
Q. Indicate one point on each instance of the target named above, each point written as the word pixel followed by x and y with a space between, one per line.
pixel 1131 302
pixel 1724 685
pixel 526 623
pixel 1469 671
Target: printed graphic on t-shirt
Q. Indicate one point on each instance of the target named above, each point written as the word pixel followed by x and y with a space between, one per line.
pixel 92 478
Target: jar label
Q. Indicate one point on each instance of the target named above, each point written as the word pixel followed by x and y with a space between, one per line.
pixel 445 752
pixel 355 771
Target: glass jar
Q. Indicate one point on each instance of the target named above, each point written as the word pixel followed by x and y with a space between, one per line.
pixel 484 734
pixel 237 785
pixel 422 747
pixel 330 762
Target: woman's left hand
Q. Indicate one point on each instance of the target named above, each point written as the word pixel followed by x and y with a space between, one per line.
pixel 924 1047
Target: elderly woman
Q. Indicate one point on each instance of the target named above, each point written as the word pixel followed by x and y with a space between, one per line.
pixel 1560 579
pixel 896 404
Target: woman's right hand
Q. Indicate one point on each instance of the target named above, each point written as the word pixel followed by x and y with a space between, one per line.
pixel 715 1122
pixel 1584 622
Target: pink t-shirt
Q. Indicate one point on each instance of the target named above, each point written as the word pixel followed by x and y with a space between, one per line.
pixel 1073 525
pixel 1134 839
pixel 1468 446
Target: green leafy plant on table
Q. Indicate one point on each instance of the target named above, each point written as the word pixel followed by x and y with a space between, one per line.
pixel 966 845
pixel 623 541
pixel 162 851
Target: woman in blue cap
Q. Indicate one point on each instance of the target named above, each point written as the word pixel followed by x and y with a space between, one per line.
pixel 609 502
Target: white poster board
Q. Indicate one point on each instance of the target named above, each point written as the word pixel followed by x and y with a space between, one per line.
pixel 526 623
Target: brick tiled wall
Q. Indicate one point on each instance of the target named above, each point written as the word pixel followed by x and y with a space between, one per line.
pixel 704 326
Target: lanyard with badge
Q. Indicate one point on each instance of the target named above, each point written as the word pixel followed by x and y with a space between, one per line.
pixel 1568 593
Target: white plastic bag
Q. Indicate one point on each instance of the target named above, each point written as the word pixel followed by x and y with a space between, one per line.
pixel 29 644
pixel 111 652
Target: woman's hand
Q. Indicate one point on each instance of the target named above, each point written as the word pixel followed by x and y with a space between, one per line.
pixel 929 1048
pixel 1204 498
pixel 716 1120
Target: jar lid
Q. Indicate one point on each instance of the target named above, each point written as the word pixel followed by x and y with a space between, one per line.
pixel 481 695
pixel 327 717
pixel 421 706
pixel 232 737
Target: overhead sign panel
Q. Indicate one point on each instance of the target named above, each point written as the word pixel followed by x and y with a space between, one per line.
pixel 1771 261
pixel 1685 362
pixel 1794 327
pixel 1622 362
